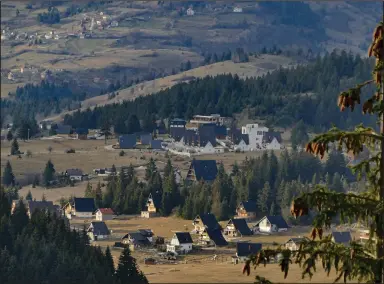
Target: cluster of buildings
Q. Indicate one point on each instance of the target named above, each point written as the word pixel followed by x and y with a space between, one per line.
pixel 132 141
pixel 214 134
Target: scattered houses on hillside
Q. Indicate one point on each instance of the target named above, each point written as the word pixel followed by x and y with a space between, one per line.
pixel 293 244
pixel 181 243
pixel 98 231
pixel 104 214
pixel 202 170
pixel 152 206
pixel 245 250
pixel 237 228
pixel 343 238
pixel 247 210
pixel 80 207
pixel 270 224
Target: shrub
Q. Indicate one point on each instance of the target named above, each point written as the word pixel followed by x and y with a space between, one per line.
pixel 122 153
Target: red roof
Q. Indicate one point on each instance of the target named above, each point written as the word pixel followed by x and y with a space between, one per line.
pixel 107 211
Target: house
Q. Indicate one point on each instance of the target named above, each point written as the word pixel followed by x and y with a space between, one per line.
pixel 104 214
pixel 180 243
pixel 190 12
pixel 221 132
pixel 208 149
pixel 237 10
pixel 47 124
pixel 127 141
pixel 271 224
pixel 215 119
pixel 202 170
pixel 63 130
pixel 256 134
pixel 141 238
pixel 98 231
pixel 177 128
pixel 156 144
pixel 245 250
pixel 247 210
pixel 272 140
pixel 205 221
pixel 114 24
pixel 152 206
pixel 81 133
pixel 75 174
pixel 32 206
pixel 215 238
pixel 80 207
pixel 146 138
pixel 343 238
pixel 11 76
pixel 237 228
pixel 201 137
pixel 293 244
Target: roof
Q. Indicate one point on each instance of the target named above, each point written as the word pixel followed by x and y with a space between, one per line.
pixel 241 226
pixel 146 232
pixel 268 137
pixel 99 228
pixel 82 131
pixel 217 237
pixel 244 137
pixel 297 240
pixel 221 130
pixel 209 221
pixel 63 129
pixel 106 211
pixel 146 138
pixel 206 133
pixel 279 221
pixel 156 144
pixel 205 169
pixel 177 132
pixel 247 249
pixel 127 141
pixel 184 237
pixel 249 206
pixel 84 204
pixel 156 198
pixel 74 172
pixel 138 238
pixel 41 205
pixel 177 120
pixel 342 237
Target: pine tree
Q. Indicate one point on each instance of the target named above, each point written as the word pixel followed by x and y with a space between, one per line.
pixel 9 136
pixel 19 217
pixel 43 198
pixel 98 195
pixel 264 197
pixel 29 196
pixel 15 147
pixel 49 172
pixel 8 176
pixel 109 261
pixel 89 191
pixel 363 262
pixel 127 270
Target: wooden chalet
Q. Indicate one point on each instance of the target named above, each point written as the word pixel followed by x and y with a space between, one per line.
pixel 152 206
pixel 246 210
pixel 237 228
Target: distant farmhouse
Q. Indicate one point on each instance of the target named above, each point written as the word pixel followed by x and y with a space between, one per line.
pixel 80 207
pixel 271 224
pixel 202 170
pixel 75 174
pixel 127 141
pixel 104 214
pixel 98 231
pixel 181 243
pixel 138 239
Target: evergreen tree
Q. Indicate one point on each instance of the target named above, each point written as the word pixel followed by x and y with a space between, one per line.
pixel 109 261
pixel 337 184
pixel 150 170
pixel 19 217
pixel 89 191
pixel 8 176
pixel 43 198
pixel 127 270
pixel 9 136
pixel 264 197
pixel 29 196
pixel 168 169
pixel 49 173
pixel 299 135
pixel 15 147
pixel 133 125
pixel 363 262
pixel 98 195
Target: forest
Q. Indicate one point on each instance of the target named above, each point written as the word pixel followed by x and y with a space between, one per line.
pixel 43 249
pixel 270 181
pixel 280 98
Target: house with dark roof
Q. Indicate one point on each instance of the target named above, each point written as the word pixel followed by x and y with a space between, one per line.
pixel 63 129
pixel 156 144
pixel 46 206
pixel 153 205
pixel 271 224
pixel 190 138
pixel 81 133
pixel 221 132
pixel 272 140
pixel 181 242
pixel 104 214
pixel 245 250
pixel 343 238
pixel 127 141
pixel 247 210
pixel 243 143
pixel 205 221
pixel 293 244
pixel 206 133
pixel 213 237
pixel 202 170
pixel 140 238
pixel 177 128
pixel 237 228
pixel 146 138
pixel 80 207
pixel 98 231
pixel 74 174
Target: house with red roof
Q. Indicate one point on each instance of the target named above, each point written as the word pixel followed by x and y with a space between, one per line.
pixel 104 214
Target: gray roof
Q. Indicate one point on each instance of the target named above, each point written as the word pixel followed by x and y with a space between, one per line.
pixel 268 137
pixel 42 205
pixel 156 144
pixel 99 229
pixel 209 221
pixel 184 237
pixel 247 249
pixel 279 221
pixel 342 237
pixel 249 206
pixel 146 138
pixel 84 204
pixel 217 237
pixel 127 141
pixel 204 169
pixel 138 238
pixel 241 226
pixel 74 172
pixel 63 129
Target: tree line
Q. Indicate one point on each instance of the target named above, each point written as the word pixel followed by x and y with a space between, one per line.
pixel 270 181
pixel 43 249
pixel 281 97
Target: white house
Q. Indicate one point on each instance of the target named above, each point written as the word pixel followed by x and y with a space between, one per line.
pixel 293 244
pixel 274 145
pixel 11 76
pixel 271 224
pixel 190 12
pixel 98 231
pixel 242 146
pixel 237 10
pixel 74 174
pixel 255 134
pixel 103 214
pixel 180 243
pixel 208 149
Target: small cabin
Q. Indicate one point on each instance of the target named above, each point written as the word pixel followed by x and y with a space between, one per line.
pixel 246 210
pixel 237 228
pixel 80 207
pixel 245 250
pixel 181 243
pixel 138 239
pixel 293 244
pixel 98 231
pixel 104 214
pixel 205 221
pixel 343 238
pixel 152 206
pixel 271 224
